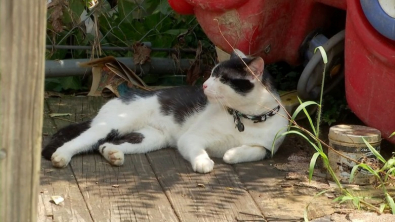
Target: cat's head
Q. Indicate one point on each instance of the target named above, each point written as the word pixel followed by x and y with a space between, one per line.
pixel 237 81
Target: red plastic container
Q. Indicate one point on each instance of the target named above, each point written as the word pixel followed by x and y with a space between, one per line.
pixel 369 72
pixel 260 27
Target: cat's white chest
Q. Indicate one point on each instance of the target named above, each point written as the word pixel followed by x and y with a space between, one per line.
pixel 216 128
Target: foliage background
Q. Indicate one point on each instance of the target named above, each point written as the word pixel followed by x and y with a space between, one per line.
pixel 118 23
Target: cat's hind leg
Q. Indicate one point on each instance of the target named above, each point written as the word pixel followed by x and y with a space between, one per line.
pixel 142 141
pixel 82 143
pixel 244 153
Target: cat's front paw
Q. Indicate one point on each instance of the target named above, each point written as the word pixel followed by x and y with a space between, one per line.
pixel 231 156
pixel 60 159
pixel 112 154
pixel 203 165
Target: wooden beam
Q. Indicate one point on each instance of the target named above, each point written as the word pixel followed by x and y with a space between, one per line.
pixel 22 55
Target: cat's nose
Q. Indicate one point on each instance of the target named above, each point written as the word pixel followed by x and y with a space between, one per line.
pixel 204 86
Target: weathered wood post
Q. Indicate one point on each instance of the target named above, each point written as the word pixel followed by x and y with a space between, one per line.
pixel 22 54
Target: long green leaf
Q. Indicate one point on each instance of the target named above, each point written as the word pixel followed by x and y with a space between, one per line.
pixel 301 107
pixel 356 202
pixel 390 202
pixel 374 151
pixel 301 134
pixel 308 117
pixel 389 164
pixel 319 112
pixel 388 173
pixel 312 164
pixel 323 54
pixel 341 199
pixel 392 134
pixel 276 137
pixel 382 207
pixel 368 168
pixel 354 169
pixel 305 214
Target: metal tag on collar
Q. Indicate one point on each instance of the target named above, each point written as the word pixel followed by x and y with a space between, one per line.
pixel 239 124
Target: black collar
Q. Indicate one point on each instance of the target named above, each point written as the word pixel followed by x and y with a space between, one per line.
pixel 260 118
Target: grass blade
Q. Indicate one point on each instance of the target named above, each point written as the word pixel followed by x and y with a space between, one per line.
pixel 301 107
pixel 306 218
pixel 342 199
pixel 277 136
pixel 374 151
pixel 323 54
pixel 354 169
pixel 391 202
pixel 389 172
pixel 368 168
pixel 308 117
pixel 302 135
pixel 382 207
pixel 392 134
pixel 312 164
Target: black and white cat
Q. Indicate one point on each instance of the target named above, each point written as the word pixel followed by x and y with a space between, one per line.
pixel 235 116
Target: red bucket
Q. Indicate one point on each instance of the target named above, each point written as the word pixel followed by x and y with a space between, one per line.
pixel 369 72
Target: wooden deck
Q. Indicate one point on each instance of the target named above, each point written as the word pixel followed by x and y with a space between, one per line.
pixel 161 185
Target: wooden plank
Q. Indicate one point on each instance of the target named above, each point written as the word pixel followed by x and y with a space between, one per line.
pixel 22 57
pixel 60 182
pixel 217 196
pixel 280 199
pixel 69 105
pixel 49 126
pixel 127 193
pixel 81 108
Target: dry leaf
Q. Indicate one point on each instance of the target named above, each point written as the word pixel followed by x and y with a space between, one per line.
pixel 200 185
pixel 59 114
pixel 109 73
pixel 57 14
pixel 57 199
pixel 141 53
pixel 115 185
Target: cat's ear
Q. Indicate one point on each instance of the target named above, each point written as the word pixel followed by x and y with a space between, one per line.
pixel 237 54
pixel 256 66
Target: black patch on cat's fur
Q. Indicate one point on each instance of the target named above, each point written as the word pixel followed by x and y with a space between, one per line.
pixel 115 138
pixel 133 93
pixel 268 82
pixel 233 72
pixel 133 138
pixel 62 136
pixel 181 101
pixel 241 86
pixel 72 131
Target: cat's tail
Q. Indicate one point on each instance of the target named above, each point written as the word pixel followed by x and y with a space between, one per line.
pixel 62 136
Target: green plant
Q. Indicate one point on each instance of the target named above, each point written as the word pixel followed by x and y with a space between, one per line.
pixel 122 25
pixel 312 137
pixel 382 174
